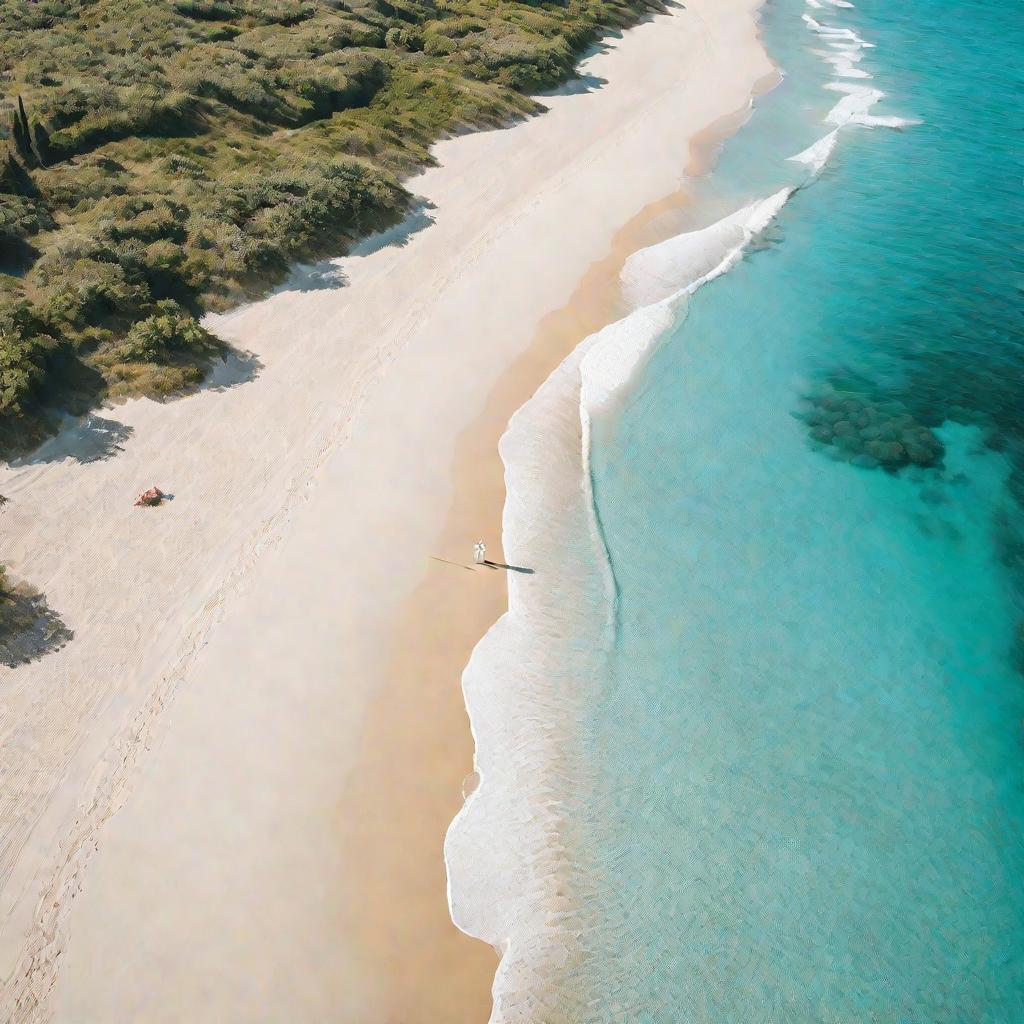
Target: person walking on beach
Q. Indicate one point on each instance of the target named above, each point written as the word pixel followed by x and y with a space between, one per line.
pixel 479 552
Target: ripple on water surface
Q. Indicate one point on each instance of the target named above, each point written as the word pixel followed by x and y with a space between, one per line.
pixel 807 799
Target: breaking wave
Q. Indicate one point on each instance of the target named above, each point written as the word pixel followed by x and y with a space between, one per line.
pixel 509 851
pixel 689 259
pixel 844 53
pixel 817 154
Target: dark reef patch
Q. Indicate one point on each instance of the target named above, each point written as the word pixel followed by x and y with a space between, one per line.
pixel 871 431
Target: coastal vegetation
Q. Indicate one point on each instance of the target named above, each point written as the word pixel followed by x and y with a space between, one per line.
pixel 161 160
pixel 28 627
pixel 9 617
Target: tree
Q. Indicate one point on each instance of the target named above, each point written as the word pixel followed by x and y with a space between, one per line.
pixel 23 137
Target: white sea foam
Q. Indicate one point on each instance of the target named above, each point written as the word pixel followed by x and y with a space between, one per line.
pixel 846 48
pixel 859 99
pixel 844 59
pixel 507 851
pixel 817 154
pixel 687 259
pixel 533 667
pixel 847 43
pixel 854 106
pixel 831 34
pixel 530 673
pixel 834 34
pixel 872 121
pixel 846 68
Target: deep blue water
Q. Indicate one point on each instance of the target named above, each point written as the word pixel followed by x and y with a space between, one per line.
pixel 809 746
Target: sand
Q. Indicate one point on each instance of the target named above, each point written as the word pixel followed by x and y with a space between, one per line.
pixel 264 679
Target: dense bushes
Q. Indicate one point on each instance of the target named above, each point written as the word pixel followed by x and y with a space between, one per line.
pixel 163 159
pixel 28 627
pixel 132 112
pixel 24 346
pixel 161 355
pixel 12 617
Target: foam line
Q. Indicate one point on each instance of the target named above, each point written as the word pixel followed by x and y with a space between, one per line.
pixel 688 259
pixel 816 156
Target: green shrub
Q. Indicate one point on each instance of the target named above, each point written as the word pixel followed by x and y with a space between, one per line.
pixel 167 334
pixel 279 12
pixel 165 158
pixel 135 111
pixel 207 10
pixel 23 352
pixel 89 292
pixel 15 616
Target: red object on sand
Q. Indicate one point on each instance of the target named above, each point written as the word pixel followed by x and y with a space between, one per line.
pixel 151 497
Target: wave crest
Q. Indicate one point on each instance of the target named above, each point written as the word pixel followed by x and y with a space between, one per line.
pixel 816 155
pixel 688 259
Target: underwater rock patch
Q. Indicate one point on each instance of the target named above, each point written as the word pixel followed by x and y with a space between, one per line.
pixel 870 432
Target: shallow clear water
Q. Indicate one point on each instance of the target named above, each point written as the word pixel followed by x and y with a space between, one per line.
pixel 808 752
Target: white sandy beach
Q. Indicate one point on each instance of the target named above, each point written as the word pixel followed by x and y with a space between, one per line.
pixel 187 789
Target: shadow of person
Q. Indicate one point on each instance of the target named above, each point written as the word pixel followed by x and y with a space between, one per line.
pixel 510 568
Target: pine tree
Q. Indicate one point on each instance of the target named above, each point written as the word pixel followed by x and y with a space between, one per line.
pixel 22 135
pixel 17 136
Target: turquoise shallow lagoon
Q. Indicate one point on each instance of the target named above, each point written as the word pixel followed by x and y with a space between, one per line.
pixel 807 753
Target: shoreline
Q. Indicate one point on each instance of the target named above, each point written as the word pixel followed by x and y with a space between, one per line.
pixel 478 482
pixel 541 446
pixel 203 765
pixel 530 900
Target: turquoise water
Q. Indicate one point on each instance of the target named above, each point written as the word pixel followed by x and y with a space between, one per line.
pixel 808 752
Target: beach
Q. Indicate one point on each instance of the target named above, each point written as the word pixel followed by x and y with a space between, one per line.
pixel 226 798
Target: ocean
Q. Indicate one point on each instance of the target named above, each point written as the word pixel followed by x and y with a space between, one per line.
pixel 791 738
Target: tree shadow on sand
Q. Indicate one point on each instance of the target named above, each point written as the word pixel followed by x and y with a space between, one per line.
pixel 399 235
pixel 318 277
pixel 88 439
pixel 237 367
pixel 29 628
pixel 329 274
pixel 578 86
